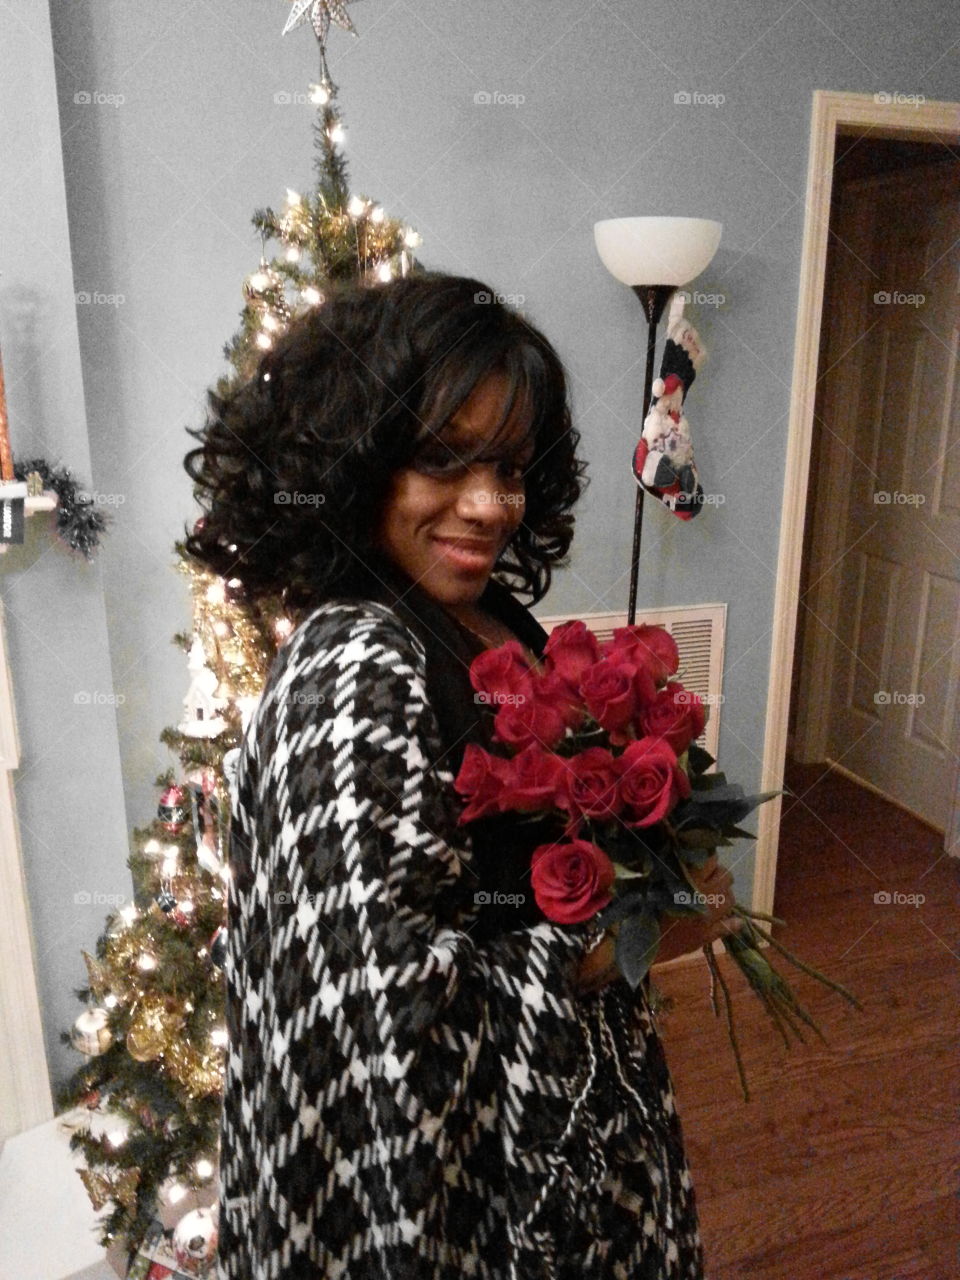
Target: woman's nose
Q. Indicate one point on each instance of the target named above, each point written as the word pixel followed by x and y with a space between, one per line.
pixel 485 497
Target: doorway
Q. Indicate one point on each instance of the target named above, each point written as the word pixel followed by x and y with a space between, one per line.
pixel 864 443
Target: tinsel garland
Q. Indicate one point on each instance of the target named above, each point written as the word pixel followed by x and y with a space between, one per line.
pixel 79 525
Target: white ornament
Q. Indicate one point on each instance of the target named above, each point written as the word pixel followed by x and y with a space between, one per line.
pixel 202 719
pixel 90 1033
pixel 195 1241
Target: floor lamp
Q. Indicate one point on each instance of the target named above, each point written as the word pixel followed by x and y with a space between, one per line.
pixel 654 256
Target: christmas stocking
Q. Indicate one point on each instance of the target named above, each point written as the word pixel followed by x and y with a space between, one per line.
pixel 663 460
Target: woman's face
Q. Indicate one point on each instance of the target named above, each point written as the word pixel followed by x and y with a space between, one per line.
pixel 450 514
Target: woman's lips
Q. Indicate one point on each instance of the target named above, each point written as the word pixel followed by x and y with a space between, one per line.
pixel 462 553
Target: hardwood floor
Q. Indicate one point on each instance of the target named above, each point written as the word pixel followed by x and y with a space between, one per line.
pixel 844 1164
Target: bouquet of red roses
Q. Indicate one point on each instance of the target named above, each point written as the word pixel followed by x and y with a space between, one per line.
pixel 602 739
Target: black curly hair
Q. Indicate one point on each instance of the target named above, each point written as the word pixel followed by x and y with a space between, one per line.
pixel 346 397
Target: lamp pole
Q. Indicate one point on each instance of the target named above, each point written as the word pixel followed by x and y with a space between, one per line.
pixel 653 299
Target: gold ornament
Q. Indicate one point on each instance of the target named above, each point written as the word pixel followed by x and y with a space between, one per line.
pixel 199 1073
pixel 97 976
pixel 121 1188
pixel 154 1027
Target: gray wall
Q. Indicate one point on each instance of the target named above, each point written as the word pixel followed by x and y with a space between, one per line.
pixel 69 787
pixel 160 189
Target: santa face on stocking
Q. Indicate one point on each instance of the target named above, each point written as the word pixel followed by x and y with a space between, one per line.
pixel 663 461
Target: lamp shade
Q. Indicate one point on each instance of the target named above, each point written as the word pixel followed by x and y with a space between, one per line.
pixel 651 251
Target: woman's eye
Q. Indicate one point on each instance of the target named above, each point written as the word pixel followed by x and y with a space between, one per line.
pixel 438 462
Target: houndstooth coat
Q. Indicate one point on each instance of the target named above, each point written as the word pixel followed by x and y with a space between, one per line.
pixel 413 1089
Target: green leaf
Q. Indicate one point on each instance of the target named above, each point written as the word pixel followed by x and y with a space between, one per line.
pixel 698 838
pixel 698 759
pixel 638 941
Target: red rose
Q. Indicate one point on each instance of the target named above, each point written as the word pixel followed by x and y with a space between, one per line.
pixel 532 780
pixel 591 784
pixel 614 690
pixel 570 649
pixel 676 714
pixel 652 648
pixel 481 782
pixel 651 781
pixel 571 882
pixel 500 671
pixel 538 715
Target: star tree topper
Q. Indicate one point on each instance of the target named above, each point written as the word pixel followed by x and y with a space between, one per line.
pixel 321 12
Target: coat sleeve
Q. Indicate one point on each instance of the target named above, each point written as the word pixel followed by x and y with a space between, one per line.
pixel 408 1088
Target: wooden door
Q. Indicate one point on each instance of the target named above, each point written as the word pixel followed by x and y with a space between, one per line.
pixel 896 652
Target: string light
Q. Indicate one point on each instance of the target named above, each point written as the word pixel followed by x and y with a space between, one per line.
pixel 128 914
pixel 203 1168
pixel 337 134
pixel 293 197
pixel 319 94
pixel 152 848
pixel 264 342
pixel 111 1001
pixel 147 961
pixel 219 1036
pixel 311 295
pixel 385 271
pixel 377 214
pixel 356 206
pixel 412 239
pixel 215 593
pixel 176 1193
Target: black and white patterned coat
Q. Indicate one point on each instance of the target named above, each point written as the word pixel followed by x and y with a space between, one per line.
pixel 409 1094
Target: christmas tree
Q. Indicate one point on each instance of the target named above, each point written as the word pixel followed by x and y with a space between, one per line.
pixel 145 1105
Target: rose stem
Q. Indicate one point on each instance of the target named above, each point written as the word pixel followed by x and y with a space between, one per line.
pixel 717 976
pixel 814 973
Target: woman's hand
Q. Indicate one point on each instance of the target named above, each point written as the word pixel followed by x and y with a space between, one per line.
pixel 679 935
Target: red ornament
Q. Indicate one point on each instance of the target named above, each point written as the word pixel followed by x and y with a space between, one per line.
pixel 174 808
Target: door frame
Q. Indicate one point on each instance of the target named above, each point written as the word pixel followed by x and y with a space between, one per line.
pixel 832 114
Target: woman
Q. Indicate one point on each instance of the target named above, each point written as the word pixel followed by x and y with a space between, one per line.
pixel 425 1078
